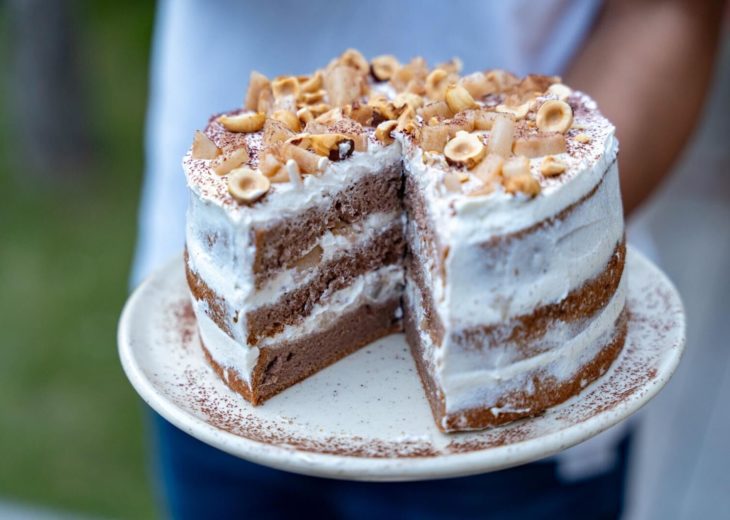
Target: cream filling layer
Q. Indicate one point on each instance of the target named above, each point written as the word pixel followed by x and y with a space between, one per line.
pixel 487 283
pixel 227 352
pixel 374 287
pixel 466 388
pixel 332 245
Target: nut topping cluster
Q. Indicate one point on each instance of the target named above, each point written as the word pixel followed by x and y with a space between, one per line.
pixel 484 127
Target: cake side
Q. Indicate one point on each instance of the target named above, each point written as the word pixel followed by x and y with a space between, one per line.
pixel 337 247
pixel 507 303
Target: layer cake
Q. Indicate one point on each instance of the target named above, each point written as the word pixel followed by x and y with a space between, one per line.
pixel 479 214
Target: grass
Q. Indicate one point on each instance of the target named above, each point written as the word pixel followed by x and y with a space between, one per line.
pixel 71 427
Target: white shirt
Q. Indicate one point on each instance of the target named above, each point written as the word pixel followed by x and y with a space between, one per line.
pixel 204 52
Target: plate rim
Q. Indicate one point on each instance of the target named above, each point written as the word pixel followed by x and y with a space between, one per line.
pixel 351 467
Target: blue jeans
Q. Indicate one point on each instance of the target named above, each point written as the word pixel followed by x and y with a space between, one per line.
pixel 198 481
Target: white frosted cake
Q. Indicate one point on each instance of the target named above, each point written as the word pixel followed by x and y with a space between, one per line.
pixel 480 214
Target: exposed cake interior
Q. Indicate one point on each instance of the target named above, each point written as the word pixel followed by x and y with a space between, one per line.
pixel 480 214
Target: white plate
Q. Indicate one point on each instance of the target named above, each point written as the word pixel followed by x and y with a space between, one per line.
pixel 366 417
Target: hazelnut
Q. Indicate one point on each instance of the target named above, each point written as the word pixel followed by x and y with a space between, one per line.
pixel 539 145
pixel 409 99
pixel 416 70
pixel 203 147
pixel 501 80
pixel 561 91
pixel 383 109
pixel 435 109
pixel 353 58
pixel 331 116
pixel 319 109
pixel 516 177
pixel 501 136
pixel 312 83
pixel 483 119
pixel 272 168
pixel 247 185
pixel 516 166
pixel 287 86
pixel 276 131
pixel 554 116
pixel 406 121
pixel 458 99
pixel 225 163
pixel 551 166
pixel 383 131
pixel 343 84
pixel 256 84
pixel 363 114
pixel 305 115
pixel 484 189
pixel 361 142
pixel 265 102
pixel 436 83
pixel 465 149
pixel 310 98
pixel 453 66
pixel 280 176
pixel 308 162
pixel 434 138
pixel 583 138
pixel 383 67
pixel 535 84
pixel 290 119
pixel 335 147
pixel 477 85
pixel 246 122
pixel 524 183
pixel 416 86
pixel 518 112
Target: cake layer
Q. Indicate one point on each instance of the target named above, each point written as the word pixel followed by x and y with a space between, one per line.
pixel 282 243
pixel 526 332
pixel 525 335
pixel 469 374
pixel 372 288
pixel 285 363
pixel 386 248
pixel 332 245
pixel 473 398
pixel 539 393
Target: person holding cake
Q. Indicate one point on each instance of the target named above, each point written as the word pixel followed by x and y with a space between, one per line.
pixel 326 149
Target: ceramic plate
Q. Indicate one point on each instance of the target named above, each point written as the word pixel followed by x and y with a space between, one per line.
pixel 366 417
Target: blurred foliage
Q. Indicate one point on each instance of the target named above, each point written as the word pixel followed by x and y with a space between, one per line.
pixel 71 427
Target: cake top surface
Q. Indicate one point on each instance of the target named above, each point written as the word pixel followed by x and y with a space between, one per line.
pixel 488 138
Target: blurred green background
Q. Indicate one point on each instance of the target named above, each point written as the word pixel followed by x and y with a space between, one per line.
pixel 71 427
